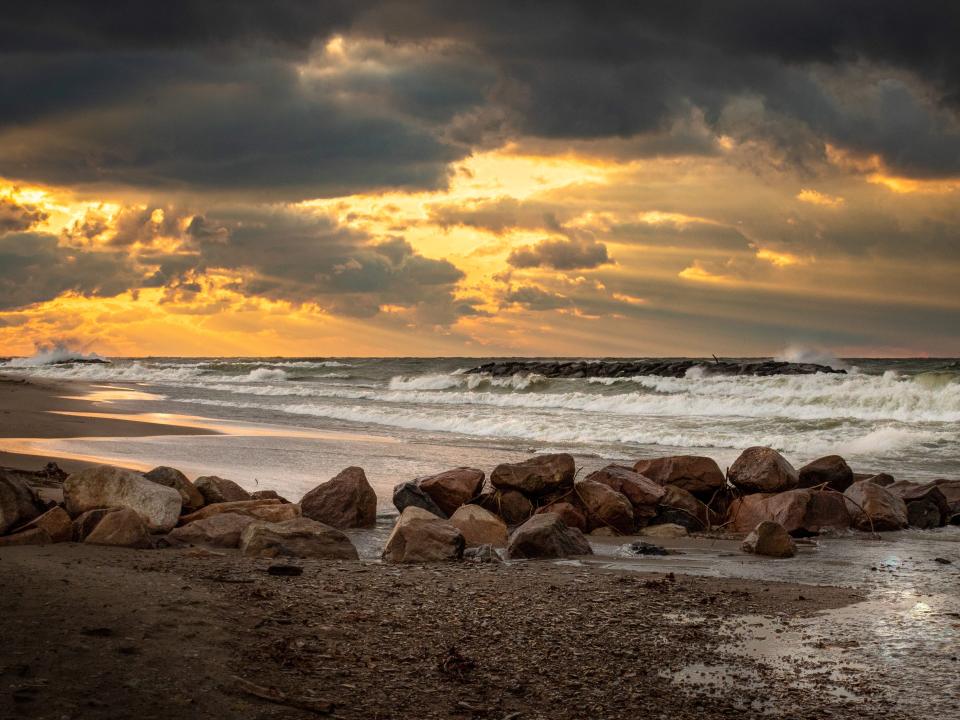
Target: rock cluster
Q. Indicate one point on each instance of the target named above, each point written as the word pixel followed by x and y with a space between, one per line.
pixel 631 368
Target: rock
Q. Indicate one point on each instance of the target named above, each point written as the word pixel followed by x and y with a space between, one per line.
pixel 571 514
pixel 479 526
pixel 951 491
pixel 762 469
pixel 927 506
pixel 107 486
pixel 124 527
pixel 605 507
pixel 665 531
pixel 482 554
pixel 84 525
pixel 771 539
pixel 679 507
pixel 545 535
pixel 881 479
pixel 300 537
pixel 421 536
pixel 223 530
pixel 409 494
pixel 644 494
pixel 603 531
pixel 217 490
pixel 191 499
pixel 345 501
pixel 639 548
pixel 33 536
pixel 269 510
pixel 19 503
pixel 56 522
pixel 512 506
pixel 453 488
pixel 831 471
pixel 537 476
pixel 268 495
pixel 699 476
pixel 801 512
pixel 873 507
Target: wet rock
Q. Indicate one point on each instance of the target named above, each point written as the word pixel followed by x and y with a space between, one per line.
pixel 409 494
pixel 33 536
pixel 512 506
pixel 640 548
pixel 479 526
pixel 603 531
pixel 268 495
pixel 665 531
pixel 951 491
pixel 124 527
pixel 269 510
pixel 762 469
pixel 421 536
pixel 537 476
pixel 223 531
pixel 831 471
pixel 873 507
pixel 679 507
pixel 218 490
pixel 190 498
pixel 927 506
pixel 662 368
pixel 605 507
pixel 801 512
pixel 771 539
pixel 453 488
pixel 699 476
pixel 19 503
pixel 84 524
pixel 546 536
pixel 56 522
pixel 107 486
pixel 345 501
pixel 571 514
pixel 643 493
pixel 300 537
pixel 482 554
pixel 881 479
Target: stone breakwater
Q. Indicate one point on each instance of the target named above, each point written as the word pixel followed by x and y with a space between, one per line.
pixel 661 368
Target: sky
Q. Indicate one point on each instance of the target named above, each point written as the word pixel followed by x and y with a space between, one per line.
pixel 427 178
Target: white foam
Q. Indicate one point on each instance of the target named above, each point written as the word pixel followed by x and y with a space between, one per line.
pixel 56 353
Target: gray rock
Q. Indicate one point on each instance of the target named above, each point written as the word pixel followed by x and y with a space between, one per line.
pixel 409 494
pixel 217 490
pixel 107 486
pixel 301 537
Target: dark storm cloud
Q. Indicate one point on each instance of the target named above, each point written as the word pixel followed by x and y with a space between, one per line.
pixel 14 217
pixel 566 254
pixel 534 298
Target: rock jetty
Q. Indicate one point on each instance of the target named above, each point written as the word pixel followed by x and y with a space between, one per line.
pixel 662 368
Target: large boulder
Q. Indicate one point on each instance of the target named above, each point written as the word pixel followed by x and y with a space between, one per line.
pixel 927 506
pixel 545 535
pixel 19 503
pixel 301 537
pixel 453 488
pixel 665 531
pixel 873 507
pixel 345 501
pixel 605 507
pixel 107 486
pixel 190 497
pixel 571 513
pixel 700 476
pixel 55 522
pixel 762 469
pixel 407 494
pixel 679 507
pixel 801 512
pixel 33 536
pixel 539 475
pixel 217 490
pixel 951 491
pixel 269 510
pixel 771 539
pixel 123 527
pixel 510 505
pixel 223 531
pixel 421 536
pixel 643 493
pixel 479 526
pixel 831 471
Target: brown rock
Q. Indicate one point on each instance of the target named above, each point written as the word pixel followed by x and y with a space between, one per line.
pixel 124 527
pixel 56 522
pixel 190 498
pixel 771 539
pixel 33 536
pixel 681 508
pixel 572 515
pixel 453 488
pixel 104 486
pixel 881 479
pixel 84 524
pixel 223 530
pixel 269 510
pixel 537 476
pixel 801 512
pixel 665 531
pixel 831 471
pixel 345 501
pixel 300 537
pixel 19 503
pixel 699 476
pixel 603 531
pixel 605 507
pixel 421 536
pixel 268 495
pixel 511 505
pixel 643 493
pixel 951 491
pixel 479 526
pixel 762 469
pixel 927 506
pixel 218 490
pixel 873 507
pixel 545 535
